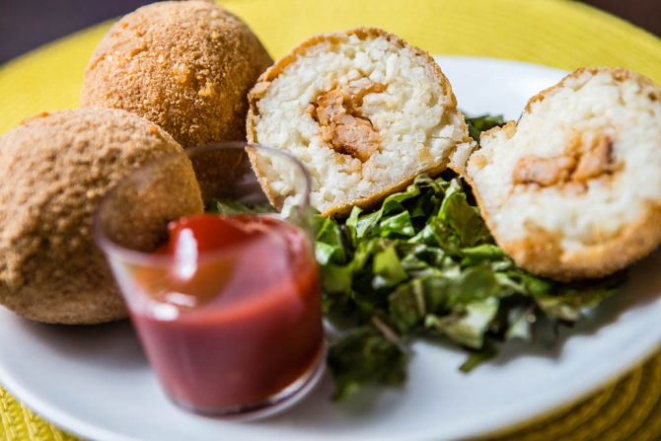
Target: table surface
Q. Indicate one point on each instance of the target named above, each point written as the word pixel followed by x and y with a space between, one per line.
pixel 26 24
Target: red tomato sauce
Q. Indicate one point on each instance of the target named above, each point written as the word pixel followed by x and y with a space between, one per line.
pixel 236 317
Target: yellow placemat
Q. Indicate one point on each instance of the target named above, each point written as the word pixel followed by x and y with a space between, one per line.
pixel 560 33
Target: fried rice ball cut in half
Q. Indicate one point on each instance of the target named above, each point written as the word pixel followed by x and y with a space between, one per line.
pixel 55 168
pixel 184 65
pixel 574 189
pixel 363 110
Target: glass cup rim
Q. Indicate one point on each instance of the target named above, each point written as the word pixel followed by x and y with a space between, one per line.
pixel 149 258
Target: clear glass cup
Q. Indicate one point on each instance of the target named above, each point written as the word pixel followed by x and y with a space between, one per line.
pixel 236 330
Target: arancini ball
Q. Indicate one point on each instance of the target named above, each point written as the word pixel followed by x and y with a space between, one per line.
pixel 55 168
pixel 363 110
pixel 186 66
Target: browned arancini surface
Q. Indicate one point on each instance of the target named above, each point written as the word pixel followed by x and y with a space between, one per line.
pixel 54 169
pixel 186 66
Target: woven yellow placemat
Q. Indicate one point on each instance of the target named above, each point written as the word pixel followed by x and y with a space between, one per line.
pixel 559 33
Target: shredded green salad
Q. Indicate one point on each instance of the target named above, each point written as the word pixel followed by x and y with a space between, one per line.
pixel 423 264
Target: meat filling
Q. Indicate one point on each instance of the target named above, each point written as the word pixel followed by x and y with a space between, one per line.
pixel 581 164
pixel 343 126
pixel 543 171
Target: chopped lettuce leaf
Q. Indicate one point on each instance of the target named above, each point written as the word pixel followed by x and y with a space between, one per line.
pixel 479 124
pixel 365 355
pixel 230 207
pixel 329 247
pixel 397 225
pixel 481 253
pixel 463 219
pixel 520 324
pixel 469 328
pixel 387 269
pixel 425 263
pixel 570 302
pixel 476 358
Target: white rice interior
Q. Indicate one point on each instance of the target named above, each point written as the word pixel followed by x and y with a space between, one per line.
pixel 594 105
pixel 418 124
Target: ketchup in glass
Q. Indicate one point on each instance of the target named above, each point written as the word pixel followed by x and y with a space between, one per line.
pixel 234 318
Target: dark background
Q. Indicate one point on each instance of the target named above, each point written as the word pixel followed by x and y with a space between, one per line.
pixel 26 24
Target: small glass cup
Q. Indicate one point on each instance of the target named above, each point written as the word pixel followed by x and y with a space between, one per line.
pixel 234 331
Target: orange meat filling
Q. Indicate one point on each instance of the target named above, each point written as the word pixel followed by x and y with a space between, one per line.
pixel 342 123
pixel 581 164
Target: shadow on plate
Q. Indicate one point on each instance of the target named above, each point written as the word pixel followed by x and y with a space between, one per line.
pixel 112 344
pixel 642 288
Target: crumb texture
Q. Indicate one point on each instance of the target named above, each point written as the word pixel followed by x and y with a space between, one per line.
pixel 186 66
pixel 55 168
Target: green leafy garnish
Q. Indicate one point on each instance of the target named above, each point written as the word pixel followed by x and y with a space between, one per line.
pixel 424 264
pixel 476 358
pixel 365 355
pixel 230 207
pixel 479 124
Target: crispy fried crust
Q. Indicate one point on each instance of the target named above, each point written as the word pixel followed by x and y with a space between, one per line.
pixel 540 252
pixel 266 79
pixel 618 73
pixel 186 66
pixel 55 168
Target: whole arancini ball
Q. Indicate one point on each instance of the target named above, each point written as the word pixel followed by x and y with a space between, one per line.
pixel 186 66
pixel 54 169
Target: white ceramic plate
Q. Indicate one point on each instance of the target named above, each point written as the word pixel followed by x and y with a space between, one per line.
pixel 96 382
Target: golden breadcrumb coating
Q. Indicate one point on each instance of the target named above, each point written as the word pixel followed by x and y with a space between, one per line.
pixel 55 168
pixel 186 66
